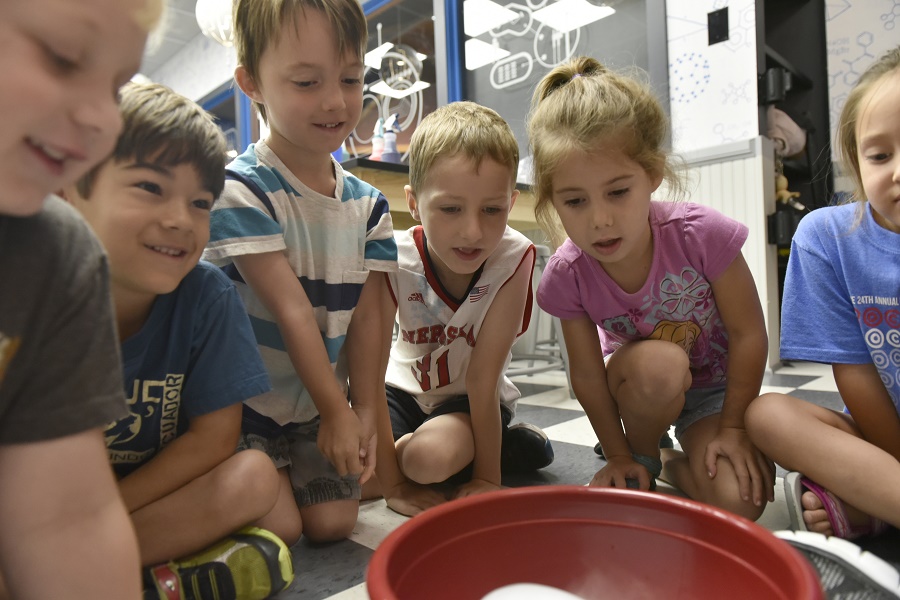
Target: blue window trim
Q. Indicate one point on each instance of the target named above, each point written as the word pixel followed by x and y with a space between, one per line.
pixel 243 113
pixel 455 53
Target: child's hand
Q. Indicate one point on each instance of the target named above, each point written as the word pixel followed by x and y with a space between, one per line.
pixel 617 469
pixel 410 498
pixel 367 441
pixel 340 435
pixel 475 486
pixel 755 472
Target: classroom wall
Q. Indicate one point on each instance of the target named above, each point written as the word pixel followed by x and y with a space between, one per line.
pixel 712 89
pixel 858 32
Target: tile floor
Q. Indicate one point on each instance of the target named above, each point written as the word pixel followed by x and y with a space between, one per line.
pixel 337 571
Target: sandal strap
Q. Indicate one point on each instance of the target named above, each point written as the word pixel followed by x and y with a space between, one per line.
pixel 836 512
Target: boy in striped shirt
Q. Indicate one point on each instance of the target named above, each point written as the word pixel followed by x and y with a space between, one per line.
pixel 302 239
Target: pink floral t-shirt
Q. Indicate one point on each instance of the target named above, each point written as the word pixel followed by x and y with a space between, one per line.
pixel 692 246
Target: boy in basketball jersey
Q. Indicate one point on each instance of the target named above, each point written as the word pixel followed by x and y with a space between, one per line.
pixel 461 296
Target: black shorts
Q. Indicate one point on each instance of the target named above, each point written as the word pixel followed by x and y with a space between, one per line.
pixel 407 416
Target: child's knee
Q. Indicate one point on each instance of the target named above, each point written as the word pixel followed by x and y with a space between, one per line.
pixel 428 462
pixel 246 484
pixel 765 417
pixel 664 377
pixel 330 521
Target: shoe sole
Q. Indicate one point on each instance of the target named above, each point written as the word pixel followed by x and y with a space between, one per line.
pixel 845 570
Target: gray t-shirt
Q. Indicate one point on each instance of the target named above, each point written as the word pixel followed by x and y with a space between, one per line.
pixel 60 372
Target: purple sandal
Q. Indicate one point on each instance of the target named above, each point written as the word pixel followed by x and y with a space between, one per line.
pixel 794 484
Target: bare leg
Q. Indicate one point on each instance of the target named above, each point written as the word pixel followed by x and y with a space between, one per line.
pixel 827 447
pixel 438 449
pixel 284 519
pixel 232 495
pixel 329 521
pixel 687 471
pixel 647 380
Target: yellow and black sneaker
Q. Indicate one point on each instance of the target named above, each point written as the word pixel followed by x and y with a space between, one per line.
pixel 251 564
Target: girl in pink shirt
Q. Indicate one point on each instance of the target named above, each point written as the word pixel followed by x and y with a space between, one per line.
pixel 659 311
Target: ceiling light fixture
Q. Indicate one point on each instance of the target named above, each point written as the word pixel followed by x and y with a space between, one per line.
pixel 215 21
pixel 566 15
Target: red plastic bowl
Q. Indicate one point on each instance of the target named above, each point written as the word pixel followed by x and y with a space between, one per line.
pixel 592 542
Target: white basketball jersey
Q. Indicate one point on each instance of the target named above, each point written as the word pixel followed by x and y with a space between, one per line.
pixel 431 355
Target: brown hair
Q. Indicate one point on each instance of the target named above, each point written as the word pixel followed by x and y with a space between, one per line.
pixel 165 128
pixel 577 107
pixel 465 128
pixel 847 138
pixel 258 23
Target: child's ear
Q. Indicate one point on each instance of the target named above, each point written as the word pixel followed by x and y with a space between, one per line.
pixel 513 198
pixel 412 203
pixel 247 84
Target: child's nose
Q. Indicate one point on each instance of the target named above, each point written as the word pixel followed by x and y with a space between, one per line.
pixel 177 215
pixel 334 98
pixel 601 217
pixel 471 228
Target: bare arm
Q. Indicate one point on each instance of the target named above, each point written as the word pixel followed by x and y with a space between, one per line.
pixel 64 532
pixel 275 283
pixel 588 376
pixel 209 441
pixel 738 303
pixel 402 496
pixel 495 339
pixel 365 347
pixel 748 344
pixel 870 405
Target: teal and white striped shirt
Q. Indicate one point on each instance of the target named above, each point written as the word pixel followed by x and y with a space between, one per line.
pixel 332 243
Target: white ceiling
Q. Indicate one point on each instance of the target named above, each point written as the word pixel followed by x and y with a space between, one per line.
pixel 179 28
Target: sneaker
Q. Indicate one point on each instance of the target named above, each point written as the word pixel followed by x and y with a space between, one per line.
pixel 844 569
pixel 525 448
pixel 251 564
pixel 664 442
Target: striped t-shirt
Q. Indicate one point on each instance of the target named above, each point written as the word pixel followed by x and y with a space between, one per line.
pixel 331 242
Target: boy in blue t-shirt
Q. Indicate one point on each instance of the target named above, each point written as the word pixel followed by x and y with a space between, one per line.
pixel 189 357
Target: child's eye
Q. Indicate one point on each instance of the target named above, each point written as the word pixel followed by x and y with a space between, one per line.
pixel 304 84
pixel 573 202
pixel 150 187
pixel 492 210
pixel 352 80
pixel 619 193
pixel 202 203
pixel 878 157
pixel 60 62
pixel 450 209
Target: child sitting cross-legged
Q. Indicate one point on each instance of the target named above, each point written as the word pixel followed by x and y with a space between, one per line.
pixel 189 359
pixel 461 296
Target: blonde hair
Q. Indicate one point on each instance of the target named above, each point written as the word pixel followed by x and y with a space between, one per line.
pixel 580 105
pixel 258 23
pixel 847 139
pixel 162 127
pixel 465 128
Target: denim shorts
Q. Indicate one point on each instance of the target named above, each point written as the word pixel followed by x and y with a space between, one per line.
pixel 698 404
pixel 313 478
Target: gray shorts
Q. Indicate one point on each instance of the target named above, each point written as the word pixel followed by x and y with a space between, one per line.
pixel 313 478
pixel 698 404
